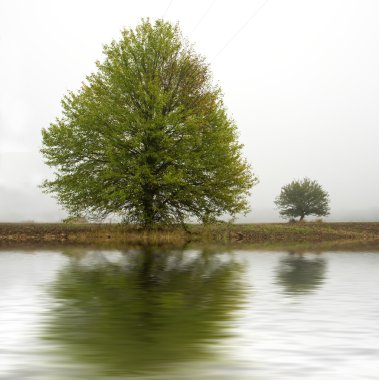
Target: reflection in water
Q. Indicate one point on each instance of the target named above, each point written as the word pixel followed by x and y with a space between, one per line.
pixel 147 310
pixel 299 274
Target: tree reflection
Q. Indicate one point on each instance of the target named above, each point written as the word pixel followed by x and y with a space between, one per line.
pixel 148 310
pixel 299 274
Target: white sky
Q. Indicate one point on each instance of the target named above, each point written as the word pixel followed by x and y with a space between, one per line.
pixel 301 79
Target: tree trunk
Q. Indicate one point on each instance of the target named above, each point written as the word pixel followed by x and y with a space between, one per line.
pixel 301 217
pixel 148 208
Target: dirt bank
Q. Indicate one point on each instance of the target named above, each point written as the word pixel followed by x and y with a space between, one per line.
pixel 271 233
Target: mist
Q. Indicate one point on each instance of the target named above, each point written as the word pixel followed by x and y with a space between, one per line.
pixel 300 79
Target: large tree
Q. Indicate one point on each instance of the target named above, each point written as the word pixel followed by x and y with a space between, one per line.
pixel 302 198
pixel 147 136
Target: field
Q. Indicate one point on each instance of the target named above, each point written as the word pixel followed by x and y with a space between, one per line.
pixel 265 233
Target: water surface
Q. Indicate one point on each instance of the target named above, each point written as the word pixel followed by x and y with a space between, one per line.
pixel 154 313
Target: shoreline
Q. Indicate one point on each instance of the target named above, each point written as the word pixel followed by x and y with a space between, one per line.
pixel 257 233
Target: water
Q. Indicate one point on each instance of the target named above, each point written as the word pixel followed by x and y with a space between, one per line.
pixel 156 313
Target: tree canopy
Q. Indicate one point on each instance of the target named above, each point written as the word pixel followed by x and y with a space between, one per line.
pixel 302 198
pixel 147 136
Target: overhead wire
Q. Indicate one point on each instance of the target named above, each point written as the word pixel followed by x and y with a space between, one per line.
pixel 203 16
pixel 255 13
pixel 168 7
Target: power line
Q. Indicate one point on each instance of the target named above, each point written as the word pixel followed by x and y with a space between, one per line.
pixel 168 7
pixel 203 16
pixel 240 29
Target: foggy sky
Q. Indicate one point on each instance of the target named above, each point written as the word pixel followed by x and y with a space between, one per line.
pixel 300 78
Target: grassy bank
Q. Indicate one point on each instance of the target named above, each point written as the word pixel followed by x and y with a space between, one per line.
pixel 267 233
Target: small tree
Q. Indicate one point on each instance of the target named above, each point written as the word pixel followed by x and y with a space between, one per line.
pixel 302 198
pixel 147 137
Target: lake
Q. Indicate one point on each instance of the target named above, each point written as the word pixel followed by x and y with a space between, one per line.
pixel 209 313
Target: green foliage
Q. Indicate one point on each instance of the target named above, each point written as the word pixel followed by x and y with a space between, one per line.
pixel 302 198
pixel 147 136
